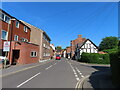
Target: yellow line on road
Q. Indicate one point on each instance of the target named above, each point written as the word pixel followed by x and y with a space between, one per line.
pixel 23 69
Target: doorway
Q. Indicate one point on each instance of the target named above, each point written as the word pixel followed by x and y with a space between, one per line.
pixel 15 56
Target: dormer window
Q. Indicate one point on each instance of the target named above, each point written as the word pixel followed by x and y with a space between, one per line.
pixel 25 29
pixel 17 24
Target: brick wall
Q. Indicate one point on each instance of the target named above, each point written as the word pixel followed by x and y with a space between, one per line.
pixel 25 52
pixel 75 42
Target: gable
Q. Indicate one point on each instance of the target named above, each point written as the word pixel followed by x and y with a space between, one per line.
pixel 88 44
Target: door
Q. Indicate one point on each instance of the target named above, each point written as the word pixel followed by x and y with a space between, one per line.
pixel 15 56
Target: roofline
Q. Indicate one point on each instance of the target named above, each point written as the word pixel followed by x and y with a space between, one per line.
pixel 46 35
pixel 12 17
pixel 31 25
pixel 90 41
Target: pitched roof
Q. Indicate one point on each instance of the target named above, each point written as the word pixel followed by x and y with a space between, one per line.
pixel 81 44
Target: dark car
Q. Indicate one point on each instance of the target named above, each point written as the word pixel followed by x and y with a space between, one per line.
pixel 58 57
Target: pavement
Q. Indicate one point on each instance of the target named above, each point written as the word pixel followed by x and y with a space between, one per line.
pixel 58 74
pixel 100 79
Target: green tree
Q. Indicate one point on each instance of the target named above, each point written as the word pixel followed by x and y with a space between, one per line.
pixel 58 48
pixel 108 43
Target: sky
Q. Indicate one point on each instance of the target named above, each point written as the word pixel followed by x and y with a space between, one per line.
pixel 64 21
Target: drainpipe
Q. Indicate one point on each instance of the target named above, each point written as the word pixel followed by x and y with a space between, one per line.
pixel 11 34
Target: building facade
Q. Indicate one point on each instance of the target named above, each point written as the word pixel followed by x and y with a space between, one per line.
pixel 18 34
pixel 68 52
pixel 40 38
pixel 87 47
pixel 74 43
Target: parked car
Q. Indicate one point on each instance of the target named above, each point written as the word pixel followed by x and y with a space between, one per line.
pixel 58 57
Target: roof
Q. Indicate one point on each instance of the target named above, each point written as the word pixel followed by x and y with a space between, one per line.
pixel 46 35
pixel 30 25
pixel 81 44
pixel 13 17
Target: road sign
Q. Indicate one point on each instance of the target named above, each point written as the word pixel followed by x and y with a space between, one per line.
pixel 6 46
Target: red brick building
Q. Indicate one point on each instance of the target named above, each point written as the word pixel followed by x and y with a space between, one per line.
pixel 68 52
pixel 74 43
pixel 13 30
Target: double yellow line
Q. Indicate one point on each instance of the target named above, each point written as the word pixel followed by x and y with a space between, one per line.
pixel 79 85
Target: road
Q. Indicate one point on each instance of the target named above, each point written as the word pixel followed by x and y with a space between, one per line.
pixel 56 74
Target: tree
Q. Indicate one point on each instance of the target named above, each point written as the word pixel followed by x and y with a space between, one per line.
pixel 108 43
pixel 58 48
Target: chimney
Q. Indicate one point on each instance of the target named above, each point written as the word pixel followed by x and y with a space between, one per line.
pixel 79 36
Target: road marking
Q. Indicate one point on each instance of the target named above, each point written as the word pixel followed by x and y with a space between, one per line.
pixel 49 67
pixel 77 79
pixel 55 63
pixel 76 76
pixel 82 76
pixel 81 81
pixel 28 80
pixel 23 69
pixel 79 72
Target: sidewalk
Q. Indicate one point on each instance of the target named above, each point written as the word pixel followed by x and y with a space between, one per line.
pixel 101 80
pixel 18 68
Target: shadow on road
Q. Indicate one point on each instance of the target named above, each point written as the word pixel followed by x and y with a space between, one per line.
pixel 101 79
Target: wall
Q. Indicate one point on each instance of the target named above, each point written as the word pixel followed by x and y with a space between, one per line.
pixel 25 50
pixel 36 37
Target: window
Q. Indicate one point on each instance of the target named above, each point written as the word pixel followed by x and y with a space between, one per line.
pixel 0 15
pixel 44 45
pixel 33 54
pixel 24 40
pixel 4 35
pixel 5 18
pixel 16 38
pixel 17 24
pixel 25 28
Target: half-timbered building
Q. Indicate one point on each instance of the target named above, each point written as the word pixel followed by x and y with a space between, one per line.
pixel 87 46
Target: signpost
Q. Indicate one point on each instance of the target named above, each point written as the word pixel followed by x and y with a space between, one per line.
pixel 6 47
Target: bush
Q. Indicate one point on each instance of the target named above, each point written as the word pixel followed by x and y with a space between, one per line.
pixel 95 58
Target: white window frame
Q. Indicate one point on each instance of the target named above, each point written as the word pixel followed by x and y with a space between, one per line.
pixel 33 54
pixel 0 15
pixel 4 18
pixel 25 29
pixel 15 37
pixel 44 45
pixel 6 35
pixel 17 25
pixel 24 40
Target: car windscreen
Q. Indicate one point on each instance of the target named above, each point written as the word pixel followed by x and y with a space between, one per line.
pixel 57 55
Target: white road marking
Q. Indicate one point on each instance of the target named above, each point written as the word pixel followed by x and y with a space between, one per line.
pixel 55 63
pixel 77 79
pixel 79 72
pixel 49 67
pixel 82 76
pixel 76 76
pixel 28 80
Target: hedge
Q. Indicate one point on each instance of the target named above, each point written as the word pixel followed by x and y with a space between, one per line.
pixel 115 67
pixel 95 58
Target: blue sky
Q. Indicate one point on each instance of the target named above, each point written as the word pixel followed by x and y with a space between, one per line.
pixel 63 21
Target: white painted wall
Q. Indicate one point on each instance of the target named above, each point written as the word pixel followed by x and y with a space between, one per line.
pixel 90 48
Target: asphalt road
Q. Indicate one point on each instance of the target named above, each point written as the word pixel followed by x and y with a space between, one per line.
pixel 56 74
